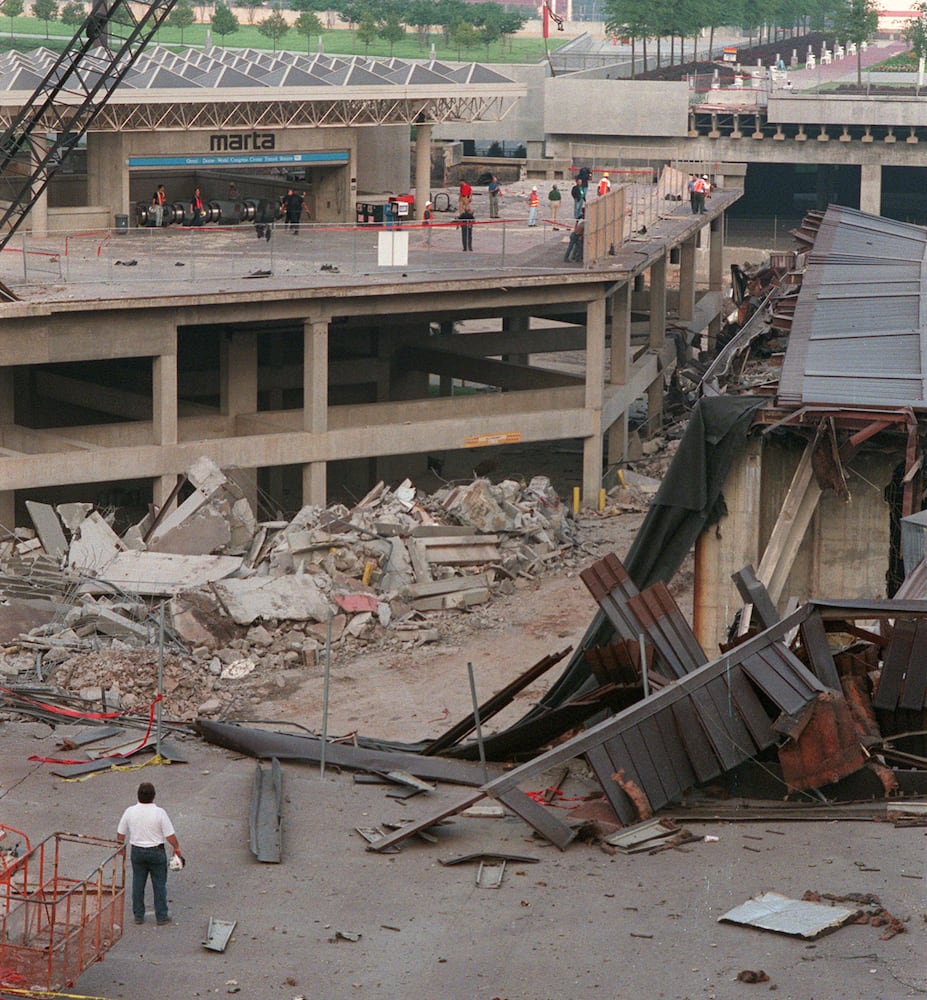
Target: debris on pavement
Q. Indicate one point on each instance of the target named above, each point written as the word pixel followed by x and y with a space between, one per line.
pixel 772 912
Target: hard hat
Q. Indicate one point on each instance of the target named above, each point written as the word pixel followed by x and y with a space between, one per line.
pixel 605 174
pixel 534 189
pixel 704 177
pixel 427 203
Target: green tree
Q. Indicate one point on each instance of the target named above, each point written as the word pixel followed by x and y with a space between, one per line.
pixel 45 10
pixel 274 27
pixel 366 31
pixel 420 14
pixel 224 22
pixel 182 17
pixel 464 36
pixel 628 19
pixel 857 21
pixel 510 24
pixel 307 25
pixel 73 13
pixel 252 6
pixel 391 30
pixel 448 13
pixel 915 34
pixel 12 8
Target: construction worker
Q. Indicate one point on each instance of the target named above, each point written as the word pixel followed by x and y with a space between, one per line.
pixel 605 185
pixel 533 202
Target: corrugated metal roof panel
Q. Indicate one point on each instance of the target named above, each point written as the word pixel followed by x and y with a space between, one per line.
pixel 858 331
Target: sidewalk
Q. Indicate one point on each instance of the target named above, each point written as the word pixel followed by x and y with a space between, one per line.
pixel 846 69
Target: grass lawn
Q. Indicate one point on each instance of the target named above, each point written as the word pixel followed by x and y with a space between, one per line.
pixel 29 33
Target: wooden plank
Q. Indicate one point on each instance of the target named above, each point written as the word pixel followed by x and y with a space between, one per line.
pixel 697 746
pixel 794 517
pixel 915 678
pixel 538 817
pixel 457 599
pixel 894 665
pixel 602 766
pixel 821 659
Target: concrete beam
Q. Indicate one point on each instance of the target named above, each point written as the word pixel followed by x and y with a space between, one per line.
pixel 484 371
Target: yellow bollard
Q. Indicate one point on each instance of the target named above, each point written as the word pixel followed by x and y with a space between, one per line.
pixel 601 500
pixel 621 477
pixel 575 499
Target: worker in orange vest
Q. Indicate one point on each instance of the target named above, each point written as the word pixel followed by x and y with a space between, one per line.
pixel 533 202
pixel 605 185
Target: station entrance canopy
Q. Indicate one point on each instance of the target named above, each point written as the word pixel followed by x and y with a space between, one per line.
pixel 251 89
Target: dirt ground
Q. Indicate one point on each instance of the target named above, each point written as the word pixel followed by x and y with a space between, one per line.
pixel 576 924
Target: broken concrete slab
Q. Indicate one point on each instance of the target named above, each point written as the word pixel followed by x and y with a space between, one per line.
pixel 201 533
pixel 291 598
pixel 48 527
pixel 159 574
pixel 94 544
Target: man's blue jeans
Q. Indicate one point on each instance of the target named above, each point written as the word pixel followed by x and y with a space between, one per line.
pixel 149 861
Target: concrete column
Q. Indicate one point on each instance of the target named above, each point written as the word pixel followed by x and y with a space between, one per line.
pixel 727 547
pixel 108 173
pixel 656 342
pixel 7 416
pixel 870 188
pixel 619 368
pixel 238 389
pixel 658 303
pixel 715 274
pixel 315 405
pixel 238 374
pixel 422 168
pixel 595 387
pixel 687 280
pixel 516 324
pixel 163 418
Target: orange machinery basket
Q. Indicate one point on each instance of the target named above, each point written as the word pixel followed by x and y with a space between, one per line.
pixel 61 910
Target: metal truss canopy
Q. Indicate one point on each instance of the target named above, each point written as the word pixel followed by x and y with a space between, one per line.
pixel 263 113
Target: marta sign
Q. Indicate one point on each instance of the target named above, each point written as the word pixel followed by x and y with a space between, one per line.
pixel 240 142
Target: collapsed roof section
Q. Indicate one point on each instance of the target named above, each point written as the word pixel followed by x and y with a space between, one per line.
pixel 858 332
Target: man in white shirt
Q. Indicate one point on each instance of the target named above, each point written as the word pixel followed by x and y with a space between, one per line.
pixel 147 828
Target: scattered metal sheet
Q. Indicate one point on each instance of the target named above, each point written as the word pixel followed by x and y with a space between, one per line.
pixel 352 936
pixel 219 934
pixel 643 836
pixel 773 912
pixel 373 835
pixel 516 859
pixel 287 746
pixel 93 736
pixel 490 874
pixel 405 778
pixel 266 820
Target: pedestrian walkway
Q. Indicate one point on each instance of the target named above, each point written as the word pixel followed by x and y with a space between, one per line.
pixel 845 70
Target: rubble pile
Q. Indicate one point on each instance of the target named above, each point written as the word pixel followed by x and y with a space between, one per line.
pixel 243 609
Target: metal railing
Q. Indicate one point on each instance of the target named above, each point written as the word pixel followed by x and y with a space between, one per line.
pixel 61 909
pixel 180 256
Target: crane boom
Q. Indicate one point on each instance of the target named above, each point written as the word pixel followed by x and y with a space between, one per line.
pixel 72 93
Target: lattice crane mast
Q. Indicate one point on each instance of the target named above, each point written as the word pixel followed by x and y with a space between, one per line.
pixel 73 92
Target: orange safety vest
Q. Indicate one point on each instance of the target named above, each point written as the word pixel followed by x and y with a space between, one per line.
pixel 533 199
pixel 604 186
